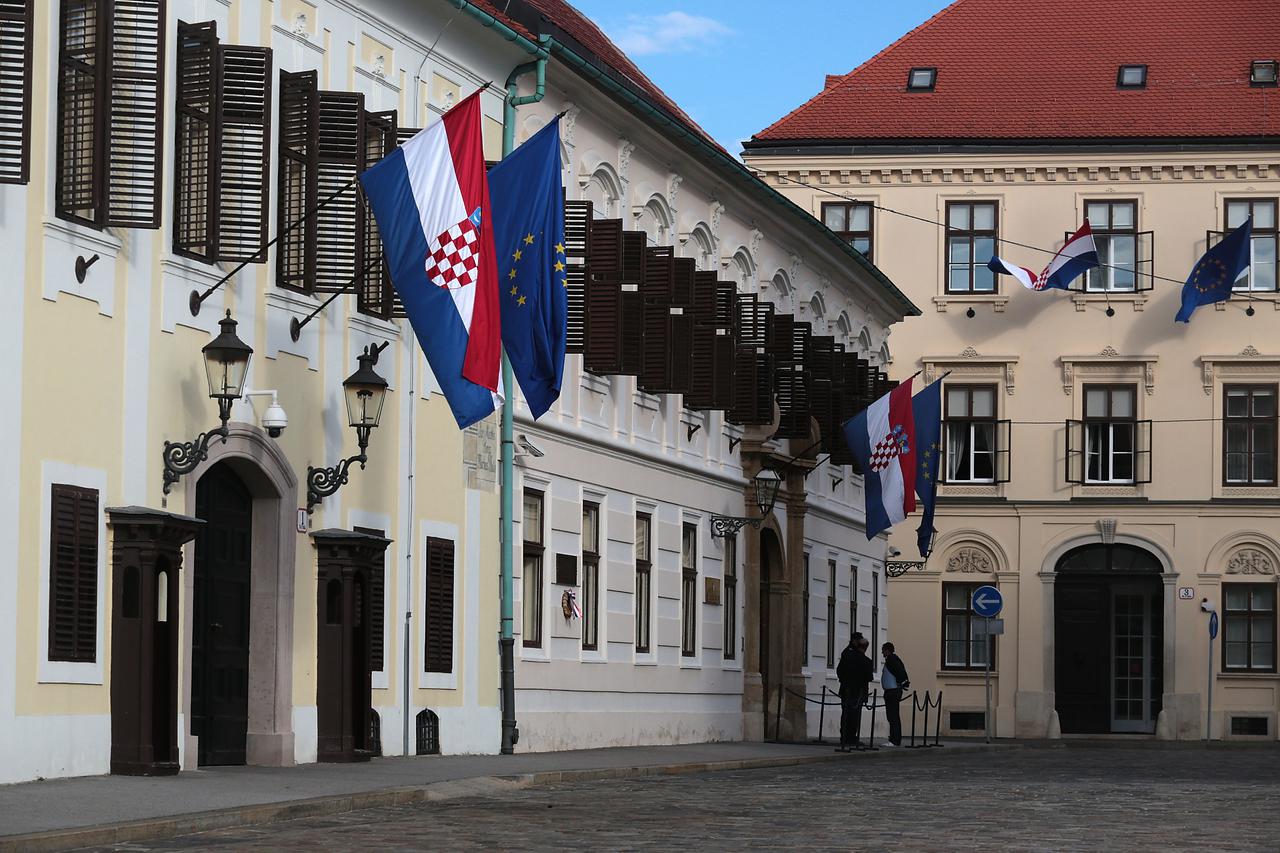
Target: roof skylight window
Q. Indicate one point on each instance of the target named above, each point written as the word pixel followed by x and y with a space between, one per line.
pixel 922 79
pixel 1264 72
pixel 1132 77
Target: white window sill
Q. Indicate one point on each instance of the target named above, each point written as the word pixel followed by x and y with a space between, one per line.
pixel 1083 299
pixel 998 301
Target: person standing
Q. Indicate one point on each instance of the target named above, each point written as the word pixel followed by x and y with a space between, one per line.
pixel 893 679
pixel 855 672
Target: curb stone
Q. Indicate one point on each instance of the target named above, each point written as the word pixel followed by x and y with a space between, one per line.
pixel 150 829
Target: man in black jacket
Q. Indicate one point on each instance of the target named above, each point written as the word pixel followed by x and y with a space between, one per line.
pixel 855 672
pixel 893 678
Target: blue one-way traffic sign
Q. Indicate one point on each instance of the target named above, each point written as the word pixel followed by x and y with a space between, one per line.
pixel 987 602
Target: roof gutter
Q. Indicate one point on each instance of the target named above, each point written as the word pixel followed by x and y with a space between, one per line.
pixel 487 20
pixel 709 151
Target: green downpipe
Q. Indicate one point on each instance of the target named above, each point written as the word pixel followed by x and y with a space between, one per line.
pixel 510 733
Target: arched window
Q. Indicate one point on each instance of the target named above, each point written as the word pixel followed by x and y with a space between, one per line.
pixel 885 356
pixel 656 222
pixel 864 340
pixel 602 190
pixel 701 247
pixel 781 291
pixel 818 307
pixel 844 327
pixel 1109 559
pixel 744 270
pixel 162 596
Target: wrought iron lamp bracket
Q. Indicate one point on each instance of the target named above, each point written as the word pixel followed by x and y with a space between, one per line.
pixel 183 457
pixel 724 526
pixel 323 482
pixel 898 568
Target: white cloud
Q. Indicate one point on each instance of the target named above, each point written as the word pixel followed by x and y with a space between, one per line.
pixel 670 32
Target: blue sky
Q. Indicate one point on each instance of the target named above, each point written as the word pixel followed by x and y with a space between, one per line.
pixel 736 66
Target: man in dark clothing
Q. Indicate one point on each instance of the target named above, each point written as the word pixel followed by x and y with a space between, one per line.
pixel 855 672
pixel 893 678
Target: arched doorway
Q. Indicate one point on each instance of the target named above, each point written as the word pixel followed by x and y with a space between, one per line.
pixel 220 627
pixel 772 572
pixel 1108 639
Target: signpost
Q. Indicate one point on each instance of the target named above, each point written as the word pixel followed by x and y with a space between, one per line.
pixel 987 603
pixel 1207 605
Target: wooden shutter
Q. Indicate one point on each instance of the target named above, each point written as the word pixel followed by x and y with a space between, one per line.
pixel 299 117
pixel 753 366
pixel 577 221
pixel 243 155
pixel 340 155
pixel 195 190
pixel 438 653
pixel 787 341
pixel 15 90
pixel 374 294
pixel 73 573
pixel 404 134
pixel 819 368
pixel 702 366
pixel 135 121
pixel 603 347
pixel 78 179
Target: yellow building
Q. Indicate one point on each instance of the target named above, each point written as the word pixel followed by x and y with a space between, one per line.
pixel 1108 469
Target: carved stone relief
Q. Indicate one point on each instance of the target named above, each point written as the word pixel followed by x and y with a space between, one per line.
pixel 1250 561
pixel 971 561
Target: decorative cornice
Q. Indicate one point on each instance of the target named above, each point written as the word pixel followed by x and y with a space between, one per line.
pixel 971 362
pixel 1106 362
pixel 1249 361
pixel 916 173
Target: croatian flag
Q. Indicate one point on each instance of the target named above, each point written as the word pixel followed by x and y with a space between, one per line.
pixel 1077 255
pixel 431 200
pixel 883 438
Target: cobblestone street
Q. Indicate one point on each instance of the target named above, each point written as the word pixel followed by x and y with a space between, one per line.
pixel 1071 797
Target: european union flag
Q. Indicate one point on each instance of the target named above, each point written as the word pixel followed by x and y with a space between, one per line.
pixel 527 198
pixel 1216 271
pixel 926 408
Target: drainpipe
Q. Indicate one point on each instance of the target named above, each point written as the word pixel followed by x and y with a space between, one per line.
pixel 511 734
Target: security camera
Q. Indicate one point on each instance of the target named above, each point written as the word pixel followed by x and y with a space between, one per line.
pixel 274 419
pixel 1207 606
pixel 894 552
pixel 528 446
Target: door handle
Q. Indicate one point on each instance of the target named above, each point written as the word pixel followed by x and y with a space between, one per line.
pixel 215 626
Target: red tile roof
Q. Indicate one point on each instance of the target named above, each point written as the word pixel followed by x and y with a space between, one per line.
pixel 1031 69
pixel 530 17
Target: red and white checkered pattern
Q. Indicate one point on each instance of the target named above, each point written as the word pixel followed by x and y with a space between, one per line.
pixel 888 449
pixel 453 261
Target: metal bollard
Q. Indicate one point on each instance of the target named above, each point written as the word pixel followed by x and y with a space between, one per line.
pixel 777 720
pixel 915 705
pixel 926 718
pixel 871 733
pixel 822 714
pixel 937 726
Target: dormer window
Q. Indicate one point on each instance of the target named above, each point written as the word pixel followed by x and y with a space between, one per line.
pixel 1132 77
pixel 1264 72
pixel 922 79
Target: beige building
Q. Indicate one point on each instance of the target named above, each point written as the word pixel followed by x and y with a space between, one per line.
pixel 1108 469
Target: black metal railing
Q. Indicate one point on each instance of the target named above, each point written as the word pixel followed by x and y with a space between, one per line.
pixel 866 744
pixel 926 705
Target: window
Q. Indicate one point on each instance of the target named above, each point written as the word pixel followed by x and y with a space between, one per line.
pixel 73 574
pixel 438 654
pixel 852 222
pixel 221 156
pixel 922 79
pixel 326 139
pixel 1109 433
pixel 1131 77
pixel 15 91
pixel 1115 235
pixel 1261 272
pixel 853 599
pixel 731 598
pixel 109 112
pixel 644 581
pixel 1263 72
pixel 831 614
pixel 1249 435
pixel 970 426
pixel 1249 627
pixel 689 590
pixel 590 576
pixel 875 612
pixel 531 573
pixel 804 619
pixel 971 241
pixel 377 605
pixel 962 646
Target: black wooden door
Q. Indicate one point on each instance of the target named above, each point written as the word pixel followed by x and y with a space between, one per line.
pixel 1082 652
pixel 220 629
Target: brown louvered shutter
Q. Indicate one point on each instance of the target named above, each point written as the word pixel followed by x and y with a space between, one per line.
pixel 438 654
pixel 702 361
pixel 577 220
pixel 631 322
pixel 78 179
pixel 15 90
pixel 404 134
pixel 846 404
pixel 787 340
pixel 195 205
pixel 377 604
pixel 244 153
pixel 819 360
pixel 299 116
pixel 374 294
pixel 603 349
pixel 73 573
pixel 135 120
pixel 657 287
pixel 753 373
pixel 340 158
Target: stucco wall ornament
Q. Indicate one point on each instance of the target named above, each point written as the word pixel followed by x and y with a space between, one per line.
pixel 1250 561
pixel 1107 530
pixel 970 561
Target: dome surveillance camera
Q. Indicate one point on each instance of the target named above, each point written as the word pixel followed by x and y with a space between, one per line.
pixel 274 419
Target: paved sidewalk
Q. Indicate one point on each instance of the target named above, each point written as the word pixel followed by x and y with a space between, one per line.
pixel 64 813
